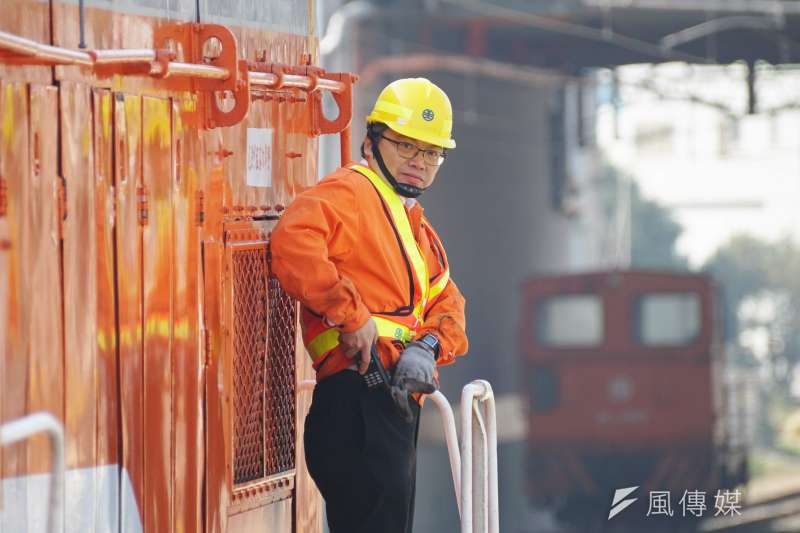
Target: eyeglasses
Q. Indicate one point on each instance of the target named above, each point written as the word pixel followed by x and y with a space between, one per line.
pixel 408 150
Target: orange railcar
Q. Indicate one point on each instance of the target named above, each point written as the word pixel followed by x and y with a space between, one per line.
pixel 624 375
pixel 140 176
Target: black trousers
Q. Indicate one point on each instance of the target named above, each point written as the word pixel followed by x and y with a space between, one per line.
pixel 362 455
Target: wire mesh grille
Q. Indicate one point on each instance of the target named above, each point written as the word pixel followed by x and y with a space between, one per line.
pixel 280 377
pixel 250 347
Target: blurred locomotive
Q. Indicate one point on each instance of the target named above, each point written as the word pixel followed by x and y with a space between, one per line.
pixel 624 375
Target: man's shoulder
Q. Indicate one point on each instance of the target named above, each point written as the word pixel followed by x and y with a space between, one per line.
pixel 343 179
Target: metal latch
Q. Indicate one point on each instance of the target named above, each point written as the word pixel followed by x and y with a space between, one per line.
pixel 142 204
pixel 201 213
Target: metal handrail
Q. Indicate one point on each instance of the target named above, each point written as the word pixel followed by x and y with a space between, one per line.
pixel 451 437
pixel 26 427
pixel 31 50
pixel 476 457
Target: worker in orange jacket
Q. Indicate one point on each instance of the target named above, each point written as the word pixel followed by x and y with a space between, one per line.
pixel 369 270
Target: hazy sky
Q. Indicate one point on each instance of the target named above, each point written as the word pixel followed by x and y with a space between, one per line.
pixel 723 174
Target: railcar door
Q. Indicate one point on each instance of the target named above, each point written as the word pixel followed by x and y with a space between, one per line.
pixel 250 386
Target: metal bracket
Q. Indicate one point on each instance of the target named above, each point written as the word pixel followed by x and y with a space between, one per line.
pixel 343 99
pixel 192 39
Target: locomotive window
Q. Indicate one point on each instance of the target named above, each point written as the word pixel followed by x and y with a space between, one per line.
pixel 571 321
pixel 667 319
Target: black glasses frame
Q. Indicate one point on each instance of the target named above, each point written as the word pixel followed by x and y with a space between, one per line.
pixel 431 157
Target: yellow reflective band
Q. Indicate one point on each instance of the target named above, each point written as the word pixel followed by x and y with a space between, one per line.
pixel 438 287
pixel 329 339
pixel 400 218
pixel 323 343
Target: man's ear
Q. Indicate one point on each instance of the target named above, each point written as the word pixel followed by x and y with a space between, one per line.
pixel 367 147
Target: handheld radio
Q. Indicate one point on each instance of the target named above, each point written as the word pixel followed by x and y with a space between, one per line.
pixel 376 374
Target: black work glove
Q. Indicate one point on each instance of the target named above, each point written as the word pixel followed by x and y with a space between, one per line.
pixel 414 373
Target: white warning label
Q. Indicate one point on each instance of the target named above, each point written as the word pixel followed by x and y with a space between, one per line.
pixel 259 157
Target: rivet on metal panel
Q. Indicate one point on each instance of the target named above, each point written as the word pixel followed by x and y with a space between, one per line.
pixel 255 96
pixel 222 152
pixel 201 214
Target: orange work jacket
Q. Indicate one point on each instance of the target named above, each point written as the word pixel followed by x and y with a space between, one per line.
pixel 339 249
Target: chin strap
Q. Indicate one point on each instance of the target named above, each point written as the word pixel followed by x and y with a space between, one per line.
pixel 403 189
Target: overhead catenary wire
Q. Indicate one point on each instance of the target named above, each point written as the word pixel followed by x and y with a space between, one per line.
pixel 541 22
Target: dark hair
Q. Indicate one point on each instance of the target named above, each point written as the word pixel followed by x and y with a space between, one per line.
pixel 374 132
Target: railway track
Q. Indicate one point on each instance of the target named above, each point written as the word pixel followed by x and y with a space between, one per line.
pixel 776 515
pixel 780 514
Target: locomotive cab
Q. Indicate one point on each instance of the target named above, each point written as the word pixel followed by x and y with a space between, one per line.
pixel 625 388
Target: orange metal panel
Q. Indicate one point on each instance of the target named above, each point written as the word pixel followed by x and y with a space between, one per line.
pixel 187 354
pixel 128 175
pixel 308 510
pixel 158 274
pixel 15 323
pixel 275 518
pixel 219 427
pixel 80 303
pixel 43 267
pixel 106 364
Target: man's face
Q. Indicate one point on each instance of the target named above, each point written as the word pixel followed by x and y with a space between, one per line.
pixel 414 171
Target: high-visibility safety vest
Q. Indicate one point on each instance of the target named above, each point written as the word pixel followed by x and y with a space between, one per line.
pixel 400 325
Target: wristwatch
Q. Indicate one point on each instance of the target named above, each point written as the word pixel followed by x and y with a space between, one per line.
pixel 431 341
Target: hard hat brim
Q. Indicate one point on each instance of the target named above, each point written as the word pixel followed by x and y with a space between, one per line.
pixel 417 134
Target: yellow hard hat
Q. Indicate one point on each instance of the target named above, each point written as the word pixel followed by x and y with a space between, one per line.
pixel 416 108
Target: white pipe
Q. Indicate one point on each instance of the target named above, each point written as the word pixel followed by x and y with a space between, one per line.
pixel 475 458
pixel 468 394
pixel 481 391
pixel 451 437
pixel 480 506
pixel 490 418
pixel 28 426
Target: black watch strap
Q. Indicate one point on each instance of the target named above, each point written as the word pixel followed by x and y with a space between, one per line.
pixel 431 341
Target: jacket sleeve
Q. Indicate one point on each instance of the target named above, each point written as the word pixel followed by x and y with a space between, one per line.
pixel 316 230
pixel 445 318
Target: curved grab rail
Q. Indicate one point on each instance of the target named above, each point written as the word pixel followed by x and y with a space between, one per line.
pixel 26 427
pixel 451 437
pixel 476 457
pixel 474 396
